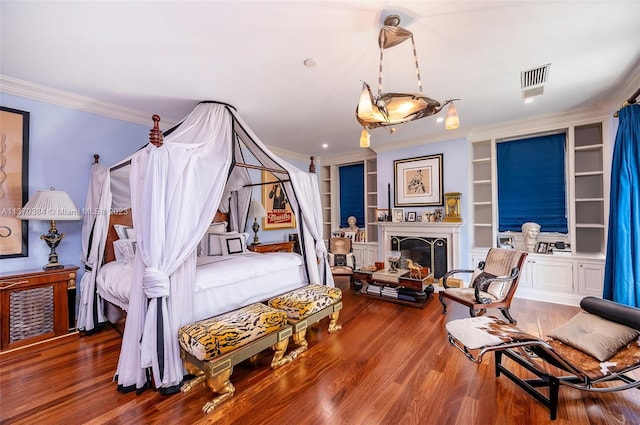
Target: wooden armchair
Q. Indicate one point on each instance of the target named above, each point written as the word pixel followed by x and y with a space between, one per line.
pixel 341 257
pixel 493 283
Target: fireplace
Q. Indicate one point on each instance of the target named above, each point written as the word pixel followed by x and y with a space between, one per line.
pixel 433 245
pixel 428 252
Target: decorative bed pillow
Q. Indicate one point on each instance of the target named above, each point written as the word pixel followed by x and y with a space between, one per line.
pixel 227 243
pixel 233 243
pixel 593 335
pixel 219 228
pixel 213 244
pixel 124 249
pixel 214 229
pixel 124 232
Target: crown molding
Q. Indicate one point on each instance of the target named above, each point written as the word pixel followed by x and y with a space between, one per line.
pixel 539 123
pixel 69 100
pixel 290 154
pixel 348 157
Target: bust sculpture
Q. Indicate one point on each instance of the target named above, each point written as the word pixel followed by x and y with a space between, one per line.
pixel 351 221
pixel 530 232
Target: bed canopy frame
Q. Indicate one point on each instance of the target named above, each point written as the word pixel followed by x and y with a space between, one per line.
pixel 205 149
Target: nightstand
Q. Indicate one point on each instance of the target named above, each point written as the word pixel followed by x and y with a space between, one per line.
pixel 272 247
pixel 37 305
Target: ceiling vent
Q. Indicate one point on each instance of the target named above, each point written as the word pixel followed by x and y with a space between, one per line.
pixel 532 81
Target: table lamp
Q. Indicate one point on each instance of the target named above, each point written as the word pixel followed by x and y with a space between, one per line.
pixel 256 210
pixel 51 205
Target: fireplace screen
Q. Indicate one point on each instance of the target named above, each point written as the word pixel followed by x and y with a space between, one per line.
pixel 428 252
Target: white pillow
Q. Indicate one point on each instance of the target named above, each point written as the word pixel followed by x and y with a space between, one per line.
pixel 219 227
pixel 214 228
pixel 124 232
pixel 213 244
pixel 124 249
pixel 233 244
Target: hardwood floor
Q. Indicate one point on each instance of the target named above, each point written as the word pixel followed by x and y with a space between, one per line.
pixel 390 364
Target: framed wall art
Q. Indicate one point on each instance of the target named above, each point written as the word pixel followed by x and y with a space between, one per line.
pixel 14 181
pixel 276 204
pixel 418 181
pixel 397 215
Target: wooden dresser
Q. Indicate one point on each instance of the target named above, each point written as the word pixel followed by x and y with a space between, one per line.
pixel 272 247
pixel 36 305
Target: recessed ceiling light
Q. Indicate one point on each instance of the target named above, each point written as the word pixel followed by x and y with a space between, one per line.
pixel 325 146
pixel 439 119
pixel 310 62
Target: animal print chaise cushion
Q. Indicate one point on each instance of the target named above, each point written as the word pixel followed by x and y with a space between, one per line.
pixel 221 334
pixel 305 301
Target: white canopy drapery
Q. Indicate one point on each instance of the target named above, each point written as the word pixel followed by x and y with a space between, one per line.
pixel 94 227
pixel 176 190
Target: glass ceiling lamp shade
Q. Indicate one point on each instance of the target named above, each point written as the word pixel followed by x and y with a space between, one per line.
pixel 391 109
pixel 256 210
pixel 452 122
pixel 51 205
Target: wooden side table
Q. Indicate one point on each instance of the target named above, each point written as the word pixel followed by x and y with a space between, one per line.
pixel 35 305
pixel 272 247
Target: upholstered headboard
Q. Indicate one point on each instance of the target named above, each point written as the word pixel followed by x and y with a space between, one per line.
pixel 126 219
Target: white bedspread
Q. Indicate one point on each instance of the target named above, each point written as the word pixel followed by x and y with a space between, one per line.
pixel 222 283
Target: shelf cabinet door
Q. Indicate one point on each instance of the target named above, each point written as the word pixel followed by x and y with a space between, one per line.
pixel 553 276
pixel 590 278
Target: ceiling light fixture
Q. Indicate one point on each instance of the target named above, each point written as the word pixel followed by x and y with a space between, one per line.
pixel 391 109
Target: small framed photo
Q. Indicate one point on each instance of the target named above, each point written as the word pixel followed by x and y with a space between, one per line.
pixel 425 216
pixel 411 216
pixel 542 247
pixel 382 214
pixel 350 235
pixel 507 242
pixel 397 214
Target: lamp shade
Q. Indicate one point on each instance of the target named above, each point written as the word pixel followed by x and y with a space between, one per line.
pixel 256 209
pixel 50 205
pixel 452 122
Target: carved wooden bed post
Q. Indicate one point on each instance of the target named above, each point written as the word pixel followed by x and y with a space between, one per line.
pixel 96 158
pixel 155 135
pixel 312 165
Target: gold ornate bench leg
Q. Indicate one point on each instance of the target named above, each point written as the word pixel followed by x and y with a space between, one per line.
pixel 192 383
pixel 219 383
pixel 333 325
pixel 279 349
pixel 299 340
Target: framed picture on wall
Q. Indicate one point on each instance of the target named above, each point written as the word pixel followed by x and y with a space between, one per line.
pixel 14 182
pixel 418 181
pixel 397 214
pixel 382 214
pixel 276 204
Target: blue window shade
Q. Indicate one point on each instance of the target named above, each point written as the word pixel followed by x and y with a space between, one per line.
pixel 352 193
pixel 531 184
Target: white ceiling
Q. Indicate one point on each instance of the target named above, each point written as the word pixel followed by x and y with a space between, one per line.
pixel 163 57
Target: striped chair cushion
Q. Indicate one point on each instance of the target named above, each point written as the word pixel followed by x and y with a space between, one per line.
pixel 221 334
pixel 305 301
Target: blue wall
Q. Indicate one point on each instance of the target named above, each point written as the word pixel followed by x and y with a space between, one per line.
pixel 455 178
pixel 62 142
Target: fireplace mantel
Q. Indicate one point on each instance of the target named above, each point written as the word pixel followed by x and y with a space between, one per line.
pixel 446 230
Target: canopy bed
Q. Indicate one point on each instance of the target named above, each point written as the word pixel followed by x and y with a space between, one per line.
pixel 166 196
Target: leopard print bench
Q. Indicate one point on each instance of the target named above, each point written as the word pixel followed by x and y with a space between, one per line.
pixel 211 348
pixel 307 305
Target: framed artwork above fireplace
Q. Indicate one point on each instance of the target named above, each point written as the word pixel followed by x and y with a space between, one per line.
pixel 418 181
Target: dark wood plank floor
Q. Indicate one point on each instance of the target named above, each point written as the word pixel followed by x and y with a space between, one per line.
pixel 390 364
